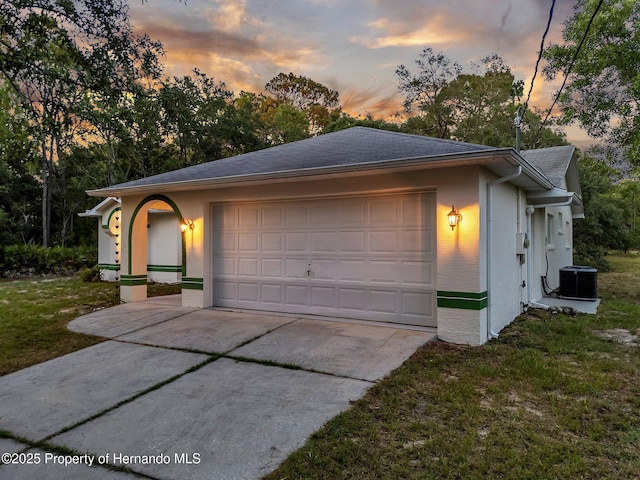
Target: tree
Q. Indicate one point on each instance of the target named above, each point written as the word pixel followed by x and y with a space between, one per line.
pixel 58 54
pixel 604 227
pixel 309 96
pixel 628 190
pixel 602 91
pixel 18 188
pixel 342 120
pixel 483 105
pixel 422 92
pixel 477 107
pixel 195 117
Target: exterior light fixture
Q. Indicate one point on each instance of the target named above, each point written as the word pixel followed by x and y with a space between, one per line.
pixel 186 225
pixel 454 217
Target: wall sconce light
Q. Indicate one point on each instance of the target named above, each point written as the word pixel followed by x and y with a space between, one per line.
pixel 454 217
pixel 186 225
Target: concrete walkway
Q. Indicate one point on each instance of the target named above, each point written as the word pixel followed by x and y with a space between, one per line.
pixel 182 393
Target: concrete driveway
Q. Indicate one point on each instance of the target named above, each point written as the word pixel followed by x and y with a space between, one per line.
pixel 181 393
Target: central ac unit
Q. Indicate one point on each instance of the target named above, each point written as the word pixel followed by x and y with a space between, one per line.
pixel 578 282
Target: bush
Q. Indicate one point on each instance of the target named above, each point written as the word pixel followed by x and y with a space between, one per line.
pixel 25 260
pixel 90 274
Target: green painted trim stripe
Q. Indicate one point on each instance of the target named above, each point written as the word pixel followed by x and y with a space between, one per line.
pixel 462 300
pixel 109 266
pixel 133 280
pixel 164 268
pixel 192 283
pixel 106 226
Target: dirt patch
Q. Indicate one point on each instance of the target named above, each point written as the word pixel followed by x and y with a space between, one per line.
pixel 619 335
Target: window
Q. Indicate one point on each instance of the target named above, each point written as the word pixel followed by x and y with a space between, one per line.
pixel 560 224
pixel 567 234
pixel 550 230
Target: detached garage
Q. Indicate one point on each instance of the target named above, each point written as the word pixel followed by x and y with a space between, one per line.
pixel 363 224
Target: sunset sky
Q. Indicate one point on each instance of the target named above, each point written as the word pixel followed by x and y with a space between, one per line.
pixel 352 46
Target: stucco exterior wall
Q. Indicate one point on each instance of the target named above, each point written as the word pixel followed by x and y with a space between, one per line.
pixel 458 251
pixel 164 254
pixel 462 256
pixel 552 247
pixel 505 291
pixel 109 244
pixel 551 234
pixel 107 255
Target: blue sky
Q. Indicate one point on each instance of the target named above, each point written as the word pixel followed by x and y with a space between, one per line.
pixel 352 46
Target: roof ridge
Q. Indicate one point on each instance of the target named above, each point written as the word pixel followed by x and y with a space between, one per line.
pixel 414 135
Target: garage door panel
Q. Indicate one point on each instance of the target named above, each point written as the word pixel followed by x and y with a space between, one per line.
pixel 296 216
pixel 272 217
pixel 323 242
pixel 367 257
pixel 296 269
pixel 225 266
pixel 384 301
pixel 271 242
pixel 296 242
pixel 413 241
pixel 383 212
pixel 352 271
pixel 248 216
pixel 412 211
pixel 226 243
pixel 418 273
pixel 271 293
pixel 323 269
pixel 417 303
pixel 384 271
pixel 353 299
pixel 352 214
pixel 351 242
pixel 225 290
pixel 224 216
pixel 248 292
pixel 296 295
pixel 248 242
pixel 272 268
pixel 384 241
pixel 429 242
pixel 323 297
pixel 248 267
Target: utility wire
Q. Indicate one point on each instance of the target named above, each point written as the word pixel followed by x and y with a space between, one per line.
pixel 535 71
pixel 568 71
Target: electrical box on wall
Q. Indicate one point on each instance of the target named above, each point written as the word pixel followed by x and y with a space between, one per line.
pixel 522 243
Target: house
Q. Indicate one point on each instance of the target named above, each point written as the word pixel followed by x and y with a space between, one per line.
pixel 365 224
pixel 164 245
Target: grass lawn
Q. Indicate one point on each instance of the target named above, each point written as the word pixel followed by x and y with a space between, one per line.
pixel 552 398
pixel 34 314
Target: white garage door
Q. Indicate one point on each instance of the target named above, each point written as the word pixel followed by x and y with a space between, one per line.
pixel 370 258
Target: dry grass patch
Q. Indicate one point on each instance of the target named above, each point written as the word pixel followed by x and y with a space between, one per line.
pixel 551 398
pixel 35 313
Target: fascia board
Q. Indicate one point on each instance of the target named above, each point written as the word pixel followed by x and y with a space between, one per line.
pixel 480 157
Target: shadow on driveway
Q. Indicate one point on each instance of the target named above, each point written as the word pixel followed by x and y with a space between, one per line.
pixel 189 393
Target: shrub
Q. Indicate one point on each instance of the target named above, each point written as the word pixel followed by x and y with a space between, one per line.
pixel 20 260
pixel 90 274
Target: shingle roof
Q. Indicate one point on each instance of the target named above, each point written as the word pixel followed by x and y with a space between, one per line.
pixel 552 161
pixel 353 146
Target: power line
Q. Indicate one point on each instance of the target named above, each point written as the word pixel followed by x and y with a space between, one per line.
pixel 568 71
pixel 535 71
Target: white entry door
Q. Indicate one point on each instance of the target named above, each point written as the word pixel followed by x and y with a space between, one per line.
pixel 370 258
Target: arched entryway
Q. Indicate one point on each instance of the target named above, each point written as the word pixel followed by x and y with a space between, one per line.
pixel 154 225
